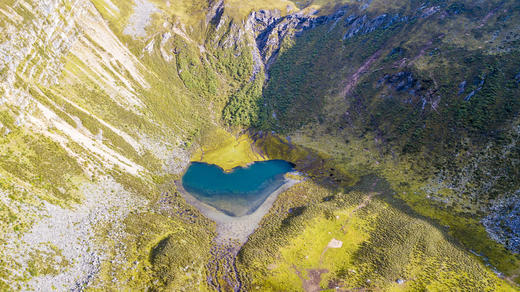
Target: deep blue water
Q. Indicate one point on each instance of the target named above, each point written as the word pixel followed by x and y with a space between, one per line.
pixel 238 192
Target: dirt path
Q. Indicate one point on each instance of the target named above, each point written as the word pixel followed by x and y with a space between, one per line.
pixel 354 79
pixel 358 207
pixel 313 283
pixel 489 15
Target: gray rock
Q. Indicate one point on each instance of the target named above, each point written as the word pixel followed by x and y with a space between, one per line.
pixel 364 25
pixel 270 29
pixel 140 19
pixel 503 222
pixel 462 87
pixel 470 95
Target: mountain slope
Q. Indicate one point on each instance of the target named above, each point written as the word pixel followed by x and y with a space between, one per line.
pixel 421 94
pixel 103 103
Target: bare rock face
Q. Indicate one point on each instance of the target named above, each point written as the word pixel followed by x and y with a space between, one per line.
pixel 140 18
pixel 503 222
pixel 271 29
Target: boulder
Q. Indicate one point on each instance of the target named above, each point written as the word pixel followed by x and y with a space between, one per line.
pixel 334 243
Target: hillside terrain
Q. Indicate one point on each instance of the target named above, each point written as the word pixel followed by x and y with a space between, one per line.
pixel 402 118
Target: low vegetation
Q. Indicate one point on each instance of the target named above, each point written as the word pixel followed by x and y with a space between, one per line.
pixel 227 151
pixel 384 245
pixel 402 119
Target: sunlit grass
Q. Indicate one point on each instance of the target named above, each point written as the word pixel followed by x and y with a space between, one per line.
pixel 229 152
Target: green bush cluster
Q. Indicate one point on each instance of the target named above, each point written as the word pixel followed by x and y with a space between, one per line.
pixel 244 105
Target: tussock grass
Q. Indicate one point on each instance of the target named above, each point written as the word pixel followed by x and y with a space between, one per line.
pixel 382 242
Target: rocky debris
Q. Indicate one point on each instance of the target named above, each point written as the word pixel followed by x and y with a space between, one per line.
pixel 416 92
pixel 164 53
pixel 175 158
pixel 403 81
pixel 170 205
pixel 485 177
pixel 72 231
pixel 470 95
pixel 428 11
pixel 34 48
pixel 360 25
pixel 503 222
pixel 140 19
pixel 149 47
pixel 334 243
pixel 479 83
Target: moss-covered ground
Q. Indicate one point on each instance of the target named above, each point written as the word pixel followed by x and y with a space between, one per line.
pixel 227 151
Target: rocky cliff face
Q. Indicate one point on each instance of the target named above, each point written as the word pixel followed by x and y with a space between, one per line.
pixel 271 30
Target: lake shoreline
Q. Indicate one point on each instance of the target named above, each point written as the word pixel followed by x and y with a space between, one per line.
pixel 237 193
pixel 230 228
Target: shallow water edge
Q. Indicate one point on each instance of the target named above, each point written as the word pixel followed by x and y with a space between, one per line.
pixel 231 227
pixel 239 192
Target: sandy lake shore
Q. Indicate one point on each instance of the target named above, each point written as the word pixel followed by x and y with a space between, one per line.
pixel 236 228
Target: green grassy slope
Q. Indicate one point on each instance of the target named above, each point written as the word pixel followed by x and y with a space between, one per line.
pixel 385 245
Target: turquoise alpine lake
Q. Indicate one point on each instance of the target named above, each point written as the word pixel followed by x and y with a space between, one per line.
pixel 238 192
